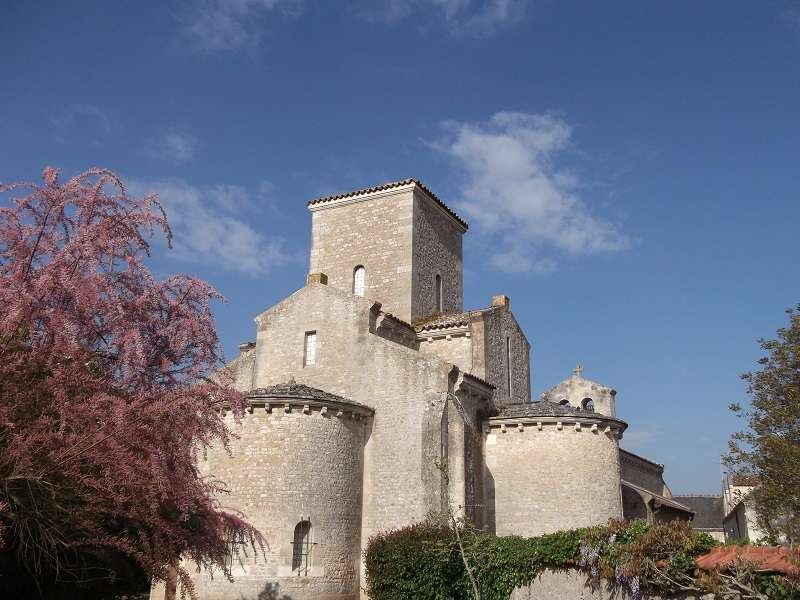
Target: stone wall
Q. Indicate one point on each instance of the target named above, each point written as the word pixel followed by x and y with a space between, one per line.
pixel 498 326
pixel 304 464
pixel 407 390
pixel 454 348
pixel 375 233
pixel 545 478
pixel 437 251
pixel 241 368
pixel 642 472
pixel 576 390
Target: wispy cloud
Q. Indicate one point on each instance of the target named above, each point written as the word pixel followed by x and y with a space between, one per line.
pixel 231 25
pixel 208 229
pixel 83 115
pixel 172 146
pixel 463 17
pixel 513 188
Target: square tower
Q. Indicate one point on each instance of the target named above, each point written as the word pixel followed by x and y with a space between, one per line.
pixel 395 243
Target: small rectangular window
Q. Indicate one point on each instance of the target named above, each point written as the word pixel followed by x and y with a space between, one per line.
pixel 310 353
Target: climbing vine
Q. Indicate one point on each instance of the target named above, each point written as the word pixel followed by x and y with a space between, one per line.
pixel 424 561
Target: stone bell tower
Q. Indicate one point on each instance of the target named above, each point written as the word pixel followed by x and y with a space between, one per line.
pixel 395 243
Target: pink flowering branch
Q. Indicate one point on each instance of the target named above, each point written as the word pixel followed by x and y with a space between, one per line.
pixel 106 394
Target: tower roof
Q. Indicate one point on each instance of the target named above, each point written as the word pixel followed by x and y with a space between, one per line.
pixel 388 186
pixel 298 391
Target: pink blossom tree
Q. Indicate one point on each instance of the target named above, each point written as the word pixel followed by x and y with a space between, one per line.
pixel 106 395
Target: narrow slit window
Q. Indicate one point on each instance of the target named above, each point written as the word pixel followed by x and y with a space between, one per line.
pixel 310 352
pixel 236 550
pixel 359 280
pixel 508 365
pixel 438 293
pixel 301 546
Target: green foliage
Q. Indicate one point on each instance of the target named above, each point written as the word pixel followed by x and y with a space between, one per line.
pixel 777 587
pixel 423 561
pixel 768 451
pixel 419 561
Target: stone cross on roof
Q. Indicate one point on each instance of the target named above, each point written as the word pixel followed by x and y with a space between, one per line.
pixel 578 370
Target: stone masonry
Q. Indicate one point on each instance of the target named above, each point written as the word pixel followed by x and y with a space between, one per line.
pixel 356 399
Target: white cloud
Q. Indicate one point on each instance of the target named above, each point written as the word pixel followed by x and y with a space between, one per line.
pixel 468 17
pixel 513 189
pixel 207 229
pixel 82 115
pixel 173 146
pixel 230 25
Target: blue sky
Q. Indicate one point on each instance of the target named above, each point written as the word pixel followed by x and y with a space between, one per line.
pixel 630 170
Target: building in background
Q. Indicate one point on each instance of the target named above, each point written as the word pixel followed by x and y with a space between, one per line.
pixel 740 522
pixel 709 511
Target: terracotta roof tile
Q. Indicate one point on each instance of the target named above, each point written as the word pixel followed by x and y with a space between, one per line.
pixel 388 186
pixel 768 558
pixel 447 321
pixel 293 390
pixel 479 380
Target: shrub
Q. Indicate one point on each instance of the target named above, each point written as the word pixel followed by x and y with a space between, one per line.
pixel 423 561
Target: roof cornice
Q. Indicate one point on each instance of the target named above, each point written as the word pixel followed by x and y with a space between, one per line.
pixel 384 189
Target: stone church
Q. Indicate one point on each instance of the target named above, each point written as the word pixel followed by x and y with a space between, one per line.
pixel 366 379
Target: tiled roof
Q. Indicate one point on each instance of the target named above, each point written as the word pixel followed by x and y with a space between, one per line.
pixel 544 408
pixel 536 409
pixel 658 498
pixel 640 457
pixel 743 480
pixel 708 510
pixel 479 380
pixel 292 390
pixel 389 186
pixel 447 321
pixel 772 559
pixel 397 319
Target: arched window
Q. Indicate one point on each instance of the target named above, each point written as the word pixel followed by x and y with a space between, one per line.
pixel 359 280
pixel 588 405
pixel 301 546
pixel 564 402
pixel 437 290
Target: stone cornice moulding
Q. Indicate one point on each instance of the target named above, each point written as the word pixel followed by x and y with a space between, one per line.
pixel 412 187
pixel 565 423
pixel 305 406
pixel 428 335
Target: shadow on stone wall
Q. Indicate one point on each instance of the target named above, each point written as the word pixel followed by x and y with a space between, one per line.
pixel 272 591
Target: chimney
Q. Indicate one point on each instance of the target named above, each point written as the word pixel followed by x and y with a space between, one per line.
pixel 317 278
pixel 502 300
pixel 246 347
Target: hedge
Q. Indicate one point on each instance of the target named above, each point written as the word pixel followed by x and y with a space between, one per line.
pixel 423 561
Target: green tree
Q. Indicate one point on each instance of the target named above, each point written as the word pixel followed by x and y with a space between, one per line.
pixel 768 450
